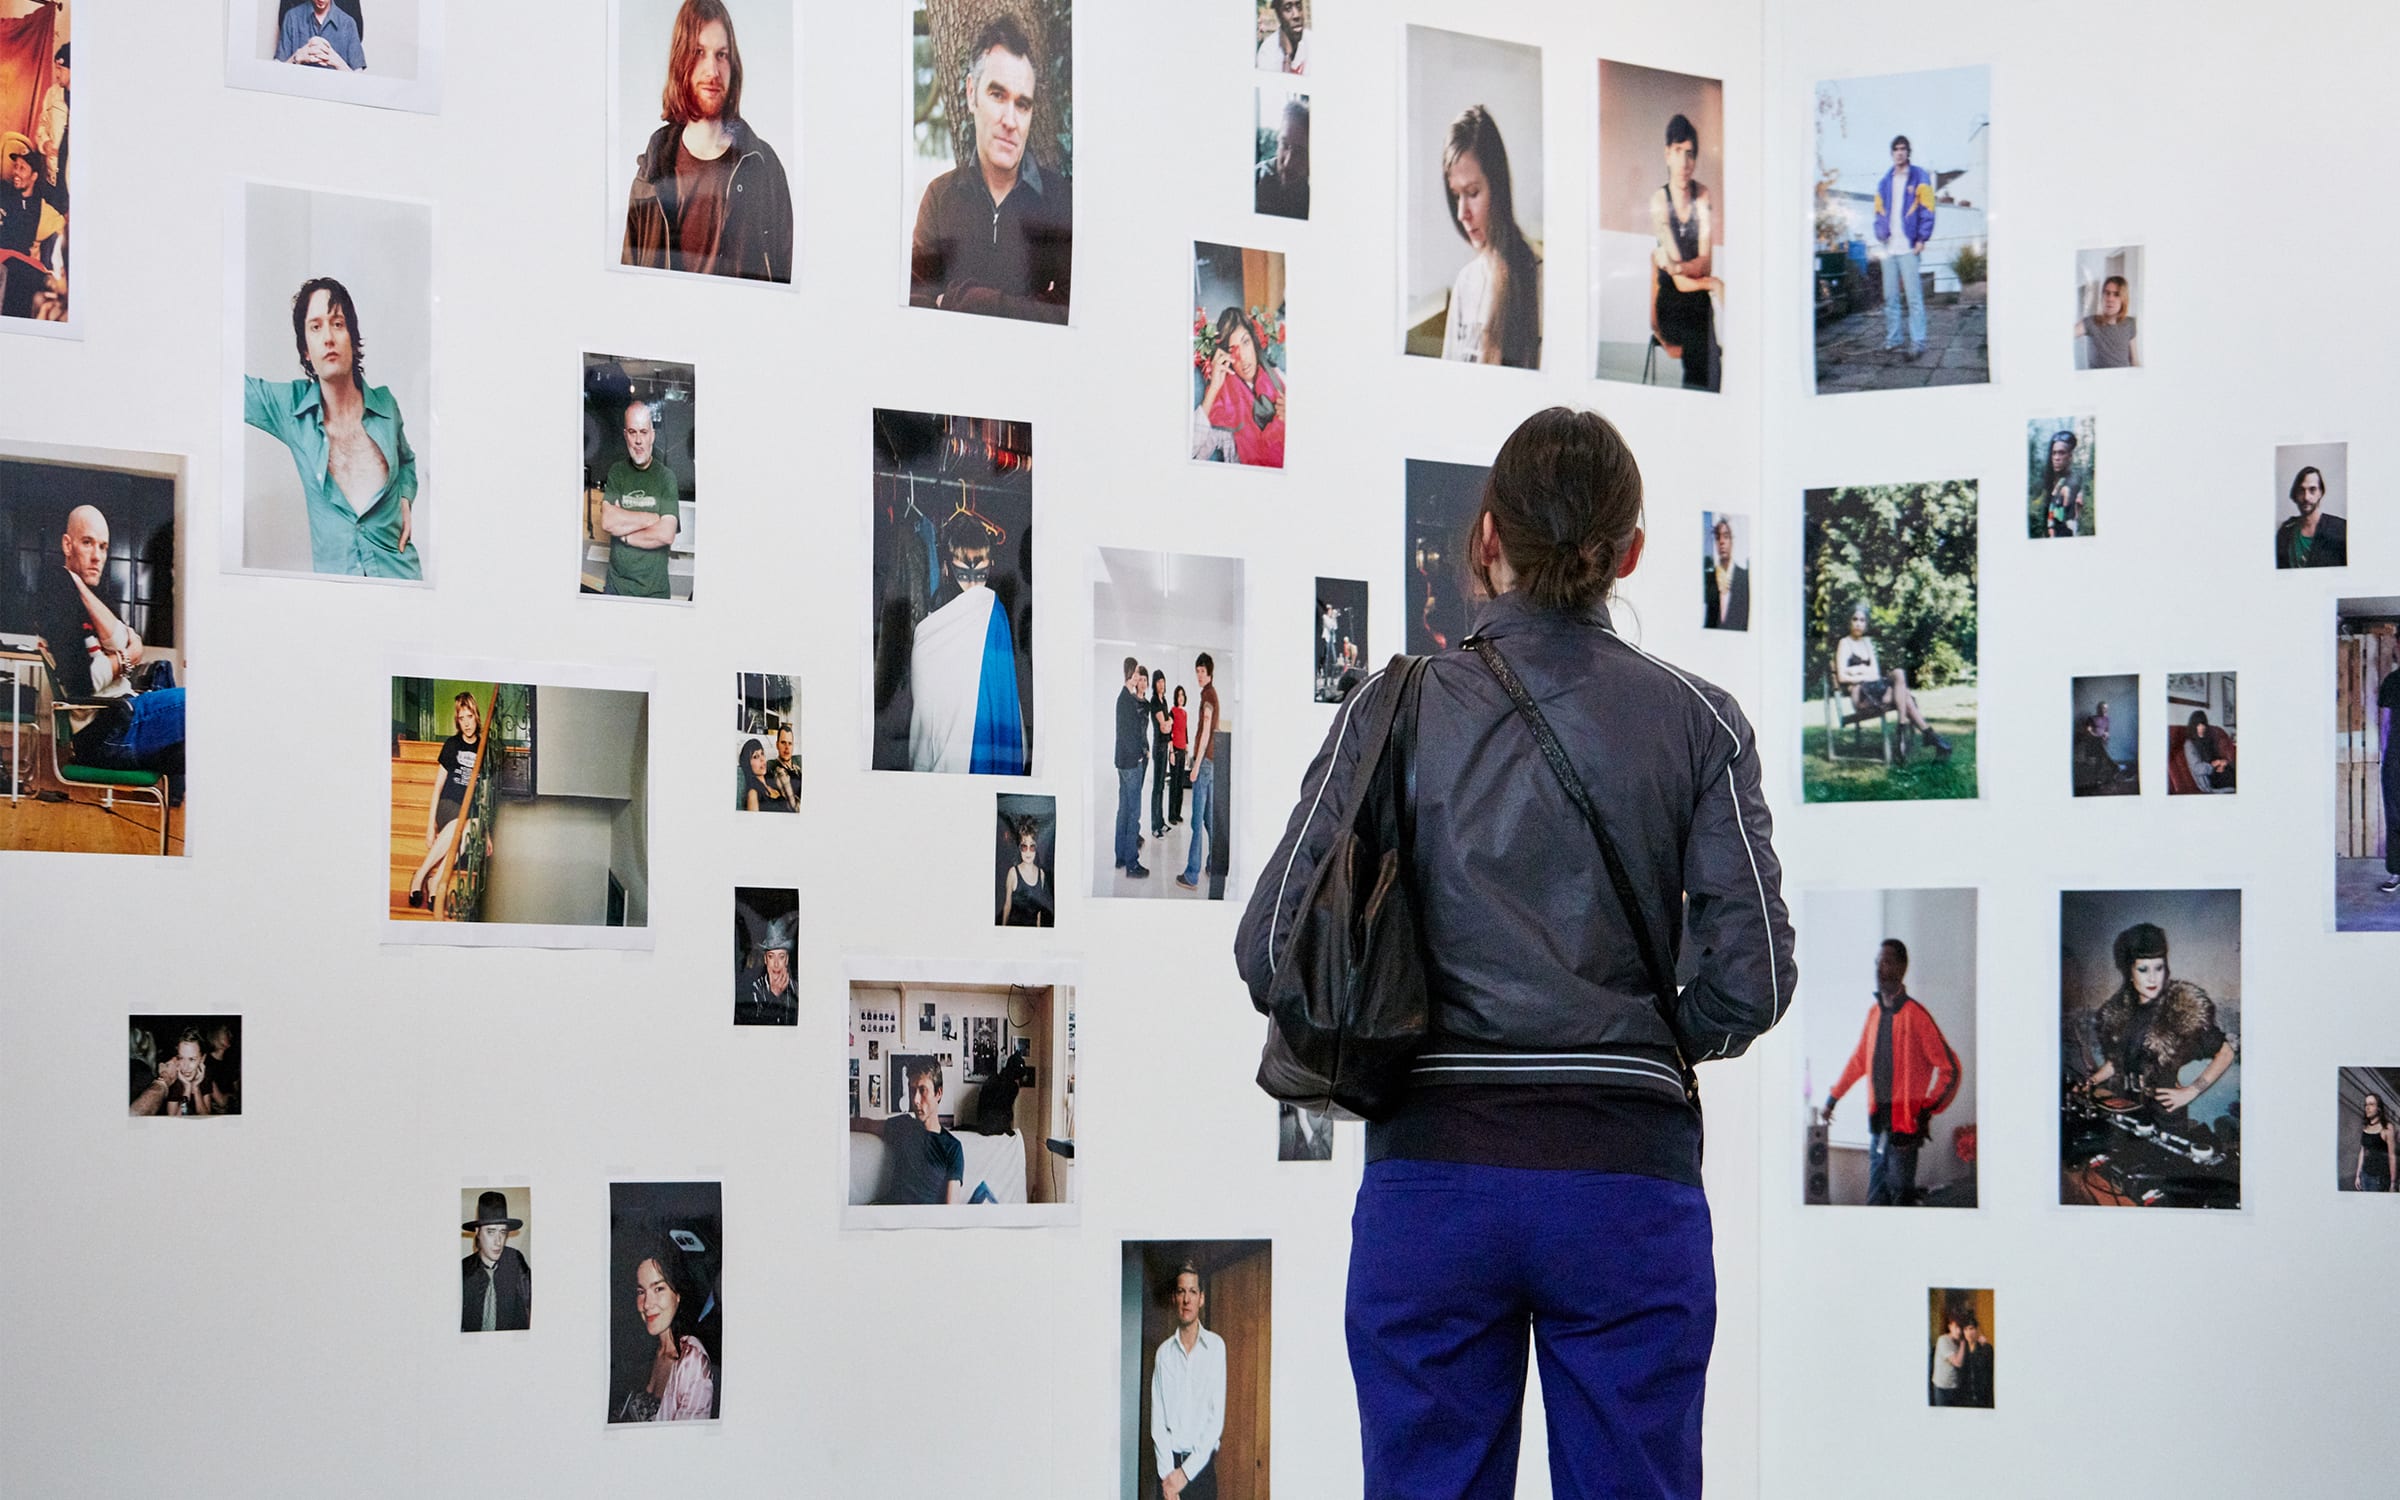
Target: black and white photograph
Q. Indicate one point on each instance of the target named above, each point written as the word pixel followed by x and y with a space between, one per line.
pixel 1025 861
pixel 703 138
pixel 1472 200
pixel 1167 633
pixel 766 945
pixel 640 488
pixel 322 49
pixel 1302 1134
pixel 666 1305
pixel 1340 630
pixel 182 1067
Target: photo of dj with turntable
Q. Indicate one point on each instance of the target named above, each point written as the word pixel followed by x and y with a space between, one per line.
pixel 2150 1093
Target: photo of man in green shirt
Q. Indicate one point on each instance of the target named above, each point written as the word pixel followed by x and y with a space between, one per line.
pixel 641 510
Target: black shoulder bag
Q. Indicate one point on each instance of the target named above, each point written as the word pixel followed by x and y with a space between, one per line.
pixel 1347 1004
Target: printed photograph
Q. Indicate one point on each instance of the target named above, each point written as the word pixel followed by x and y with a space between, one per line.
pixel 91 646
pixel 1471 212
pixel 1901 256
pixel 974 1123
pixel 2061 456
pixel 666 1319
pixel 2366 765
pixel 322 49
pixel 1282 36
pixel 1724 570
pixel 36 69
pixel 1279 155
pixel 2312 520
pixel 1240 365
pixel 766 944
pixel 1889 582
pixel 496 1274
pixel 325 472
pixel 2106 760
pixel 2367 1135
pixel 766 730
pixel 1890 1080
pixel 1167 632
pixel 1960 1326
pixel 702 117
pixel 1025 861
pixel 520 811
pixel 953 621
pixel 1341 637
pixel 1441 501
pixel 1657 295
pixel 1196 1350
pixel 640 478
pixel 2108 305
pixel 2200 733
pixel 1302 1134
pixel 988 185
pixel 2150 1025
pixel 180 1067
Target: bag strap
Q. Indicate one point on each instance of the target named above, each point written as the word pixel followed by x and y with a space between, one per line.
pixel 1662 983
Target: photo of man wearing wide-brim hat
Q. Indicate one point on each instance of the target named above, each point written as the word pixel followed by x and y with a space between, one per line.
pixel 496 1285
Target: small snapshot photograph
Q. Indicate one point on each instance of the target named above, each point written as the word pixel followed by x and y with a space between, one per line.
pixel 1167 632
pixel 322 49
pixel 641 478
pixel 1471 211
pixel 1657 294
pixel 520 810
pixel 1341 637
pixel 2366 765
pixel 1960 1326
pixel 1025 861
pixel 1724 570
pixel 1282 36
pixel 2201 725
pixel 988 186
pixel 702 116
pixel 1902 260
pixel 2061 456
pixel 2150 1025
pixel 766 730
pixel 1441 501
pixel 92 650
pixel 1240 364
pixel 2108 306
pixel 2367 1134
pixel 2312 519
pixel 1890 1079
pixel 971 1120
pixel 766 943
pixel 1198 1356
pixel 1889 582
pixel 666 1306
pixel 2106 760
pixel 181 1066
pixel 1302 1134
pixel 326 473
pixel 36 69
pixel 496 1274
pixel 1279 153
pixel 953 605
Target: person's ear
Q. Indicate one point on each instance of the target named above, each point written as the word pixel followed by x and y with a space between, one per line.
pixel 1633 554
pixel 1487 541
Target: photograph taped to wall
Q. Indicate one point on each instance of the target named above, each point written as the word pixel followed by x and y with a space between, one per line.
pixel 2312 515
pixel 666 1301
pixel 1441 502
pixel 1960 1326
pixel 1025 863
pixel 703 119
pixel 36 70
pixel 1196 1360
pixel 640 478
pixel 184 1067
pixel 322 49
pixel 1280 41
pixel 1471 231
pixel 1164 623
pixel 496 1274
pixel 520 805
pixel 92 647
pixel 1340 629
pixel 1657 292
pixel 2367 1130
pixel 2108 305
pixel 953 605
pixel 330 474
pixel 2202 727
pixel 1241 363
pixel 2366 771
pixel 1724 570
pixel 1302 1134
pixel 2106 750
pixel 2150 1027
pixel 988 178
pixel 766 727
pixel 1279 151
pixel 766 946
pixel 1889 1048
pixel 975 1131
pixel 1888 683
pixel 2062 456
pixel 1902 179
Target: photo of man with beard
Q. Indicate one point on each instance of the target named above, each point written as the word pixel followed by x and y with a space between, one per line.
pixel 709 196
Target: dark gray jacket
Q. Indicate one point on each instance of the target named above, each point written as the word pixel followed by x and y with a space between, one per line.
pixel 1530 963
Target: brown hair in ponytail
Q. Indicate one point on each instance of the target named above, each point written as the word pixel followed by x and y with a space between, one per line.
pixel 1565 497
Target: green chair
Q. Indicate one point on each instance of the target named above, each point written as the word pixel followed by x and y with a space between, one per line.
pixel 143 786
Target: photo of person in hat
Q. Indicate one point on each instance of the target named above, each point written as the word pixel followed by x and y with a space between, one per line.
pixel 495 1283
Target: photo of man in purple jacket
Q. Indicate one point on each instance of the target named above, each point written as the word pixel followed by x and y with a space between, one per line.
pixel 1903 225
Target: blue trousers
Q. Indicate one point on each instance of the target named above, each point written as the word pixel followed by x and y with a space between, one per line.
pixel 1453 1268
pixel 1129 815
pixel 1204 805
pixel 1891 1169
pixel 151 738
pixel 1899 276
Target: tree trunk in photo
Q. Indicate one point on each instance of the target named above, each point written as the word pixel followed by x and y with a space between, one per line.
pixel 952 26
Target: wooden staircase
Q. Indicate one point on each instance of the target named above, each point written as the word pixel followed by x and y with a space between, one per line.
pixel 415 774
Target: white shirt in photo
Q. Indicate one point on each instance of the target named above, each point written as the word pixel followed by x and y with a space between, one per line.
pixel 1270 53
pixel 1187 1402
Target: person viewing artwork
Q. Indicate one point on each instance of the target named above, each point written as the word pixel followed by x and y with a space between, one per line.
pixel 2107 331
pixel 1239 360
pixel 1283 36
pixel 321 34
pixel 495 1281
pixel 1496 301
pixel 995 234
pixel 709 196
pixel 2315 534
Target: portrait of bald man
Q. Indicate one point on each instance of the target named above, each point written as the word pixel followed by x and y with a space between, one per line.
pixel 126 712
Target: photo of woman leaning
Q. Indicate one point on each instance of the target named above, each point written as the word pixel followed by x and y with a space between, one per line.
pixel 1496 299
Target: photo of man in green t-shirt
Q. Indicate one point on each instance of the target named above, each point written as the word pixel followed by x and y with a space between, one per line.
pixel 641 510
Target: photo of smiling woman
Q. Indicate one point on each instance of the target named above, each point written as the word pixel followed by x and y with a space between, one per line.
pixel 708 195
pixel 1471 227
pixel 666 1319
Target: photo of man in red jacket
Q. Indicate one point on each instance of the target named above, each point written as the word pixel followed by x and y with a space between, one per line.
pixel 1912 1075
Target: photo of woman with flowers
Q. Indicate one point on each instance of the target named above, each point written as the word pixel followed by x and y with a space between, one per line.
pixel 1239 380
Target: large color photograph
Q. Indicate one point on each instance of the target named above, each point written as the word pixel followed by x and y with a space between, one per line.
pixel 1471 213
pixel 36 71
pixel 1166 699
pixel 1196 1358
pixel 2366 765
pixel 1657 293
